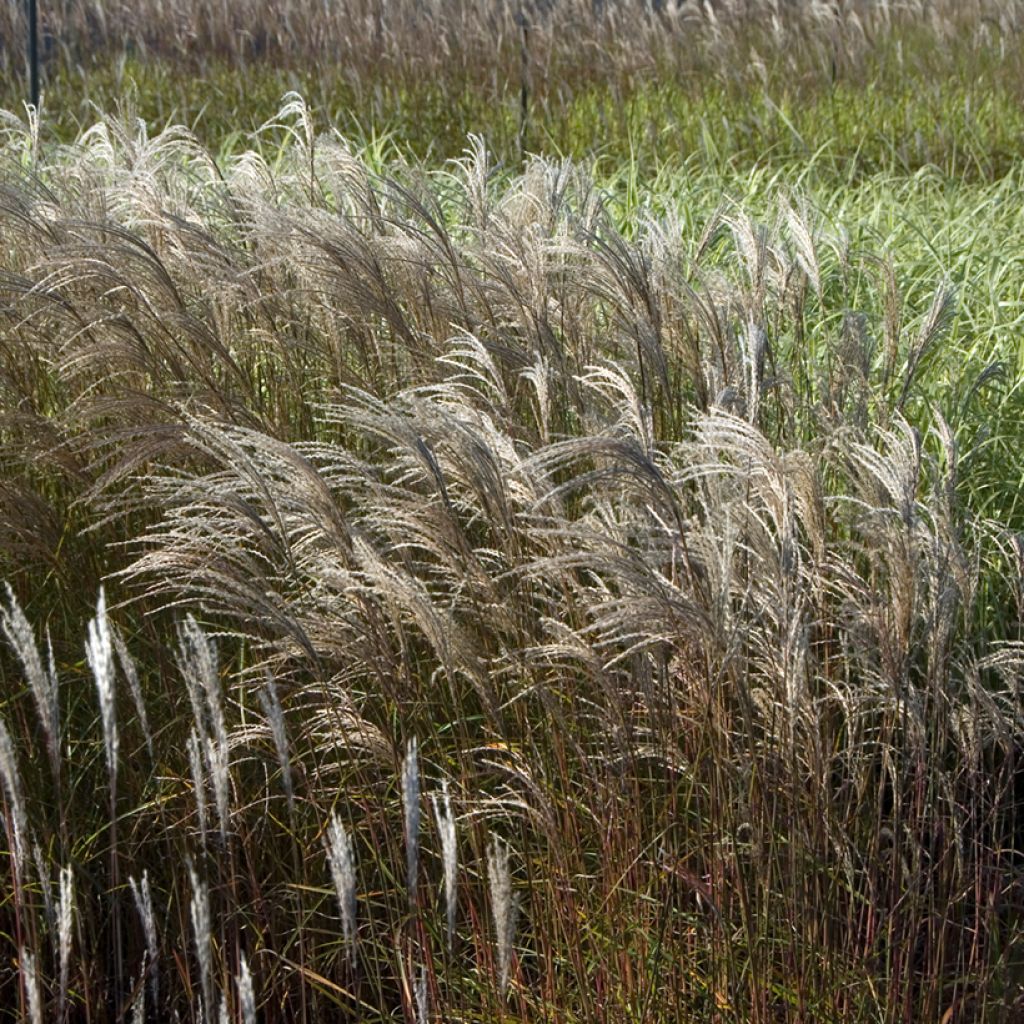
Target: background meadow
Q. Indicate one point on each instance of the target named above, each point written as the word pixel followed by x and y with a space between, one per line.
pixel 512 512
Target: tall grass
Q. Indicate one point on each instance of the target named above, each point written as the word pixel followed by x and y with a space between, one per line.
pixel 664 544
pixel 876 84
pixel 474 35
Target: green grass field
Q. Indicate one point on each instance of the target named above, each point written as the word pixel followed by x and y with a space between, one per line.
pixel 512 513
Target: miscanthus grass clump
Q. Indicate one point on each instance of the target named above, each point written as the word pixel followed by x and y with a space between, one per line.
pixel 515 605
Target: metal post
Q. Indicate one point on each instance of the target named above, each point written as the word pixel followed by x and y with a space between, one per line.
pixel 33 51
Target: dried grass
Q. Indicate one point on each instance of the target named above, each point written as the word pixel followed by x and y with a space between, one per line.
pixel 662 558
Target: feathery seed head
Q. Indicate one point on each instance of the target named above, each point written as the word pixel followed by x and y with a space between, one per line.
pixel 504 906
pixel 246 994
pixel 217 765
pixel 30 979
pixel 422 997
pixel 43 874
pixel 139 1004
pixel 144 906
pixel 199 909
pixel 275 717
pixel 449 854
pixel 99 652
pixel 341 859
pixel 65 910
pixel 196 749
pixel 197 659
pixel 42 683
pixel 411 804
pixel 134 688
pixel 12 784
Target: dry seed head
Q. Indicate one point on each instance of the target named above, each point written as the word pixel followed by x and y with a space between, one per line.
pixel 341 859
pixel 199 907
pixel 43 684
pixel 422 997
pixel 144 905
pixel 30 979
pixel 195 758
pixel 449 854
pixel 65 911
pixel 539 375
pixel 191 666
pixel 801 231
pixel 139 1003
pixel 275 717
pixel 12 783
pixel 99 652
pixel 755 349
pixel 503 906
pixel 197 659
pixel 217 765
pixel 246 994
pixel 411 804
pixel 134 688
pixel 43 874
